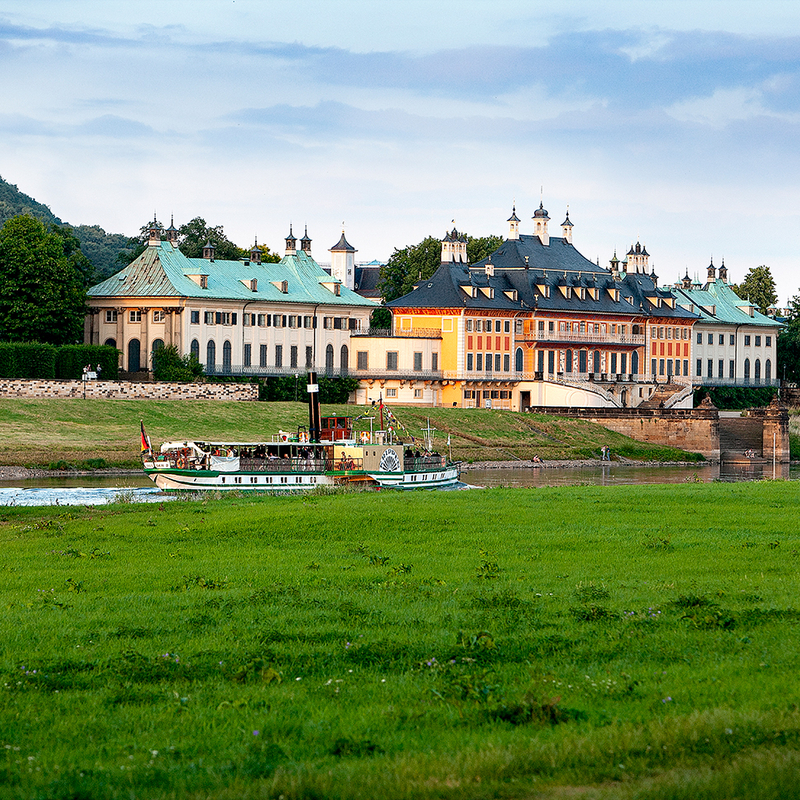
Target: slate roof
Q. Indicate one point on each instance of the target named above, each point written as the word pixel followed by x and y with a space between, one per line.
pixel 727 305
pixel 367 280
pixel 517 288
pixel 163 270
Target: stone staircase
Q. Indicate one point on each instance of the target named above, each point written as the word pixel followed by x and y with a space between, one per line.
pixel 737 435
pixel 663 396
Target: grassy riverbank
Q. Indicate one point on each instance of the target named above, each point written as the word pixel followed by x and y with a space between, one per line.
pixel 584 642
pixel 84 433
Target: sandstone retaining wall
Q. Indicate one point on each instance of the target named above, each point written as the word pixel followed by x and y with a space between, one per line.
pixel 128 390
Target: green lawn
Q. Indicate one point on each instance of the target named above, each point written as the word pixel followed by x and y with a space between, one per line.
pixel 617 642
pixel 77 431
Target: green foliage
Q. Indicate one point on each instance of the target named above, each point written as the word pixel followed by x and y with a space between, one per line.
pixel 789 344
pixel 27 360
pixel 758 287
pixel 381 318
pixel 336 390
pixel 14 203
pixel 736 397
pixel 194 235
pixel 101 248
pixel 417 262
pixel 71 359
pixel 170 365
pixel 42 294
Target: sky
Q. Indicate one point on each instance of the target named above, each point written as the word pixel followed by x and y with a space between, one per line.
pixel 669 122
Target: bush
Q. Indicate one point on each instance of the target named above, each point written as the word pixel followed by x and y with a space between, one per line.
pixel 71 359
pixel 736 397
pixel 170 365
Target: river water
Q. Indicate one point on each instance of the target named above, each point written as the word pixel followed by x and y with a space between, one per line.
pixel 138 488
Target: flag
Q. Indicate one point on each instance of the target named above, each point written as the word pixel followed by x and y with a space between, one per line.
pixel 448 440
pixel 145 439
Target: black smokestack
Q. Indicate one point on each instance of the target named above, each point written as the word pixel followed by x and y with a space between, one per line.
pixel 314 419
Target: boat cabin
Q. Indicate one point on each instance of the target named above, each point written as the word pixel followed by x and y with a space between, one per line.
pixel 334 429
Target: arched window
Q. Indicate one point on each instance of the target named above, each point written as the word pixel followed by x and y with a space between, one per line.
pixel 226 356
pixel 110 342
pixel 758 370
pixel 194 349
pixel 157 345
pixel 518 360
pixel 344 361
pixel 768 371
pixel 596 365
pixel 747 370
pixel 568 366
pixel 211 355
pixel 635 362
pixel 329 359
pixel 581 361
pixel 134 354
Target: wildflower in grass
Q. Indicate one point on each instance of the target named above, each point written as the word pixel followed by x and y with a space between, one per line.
pixel 255 733
pixel 667 700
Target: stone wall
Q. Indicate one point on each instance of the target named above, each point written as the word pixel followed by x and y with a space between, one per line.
pixel 696 430
pixel 128 390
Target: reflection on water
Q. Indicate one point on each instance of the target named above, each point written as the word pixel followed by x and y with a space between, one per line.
pixel 139 488
pixel 616 474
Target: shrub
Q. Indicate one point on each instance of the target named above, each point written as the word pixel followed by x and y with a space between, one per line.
pixel 71 359
pixel 29 360
pixel 735 397
pixel 170 365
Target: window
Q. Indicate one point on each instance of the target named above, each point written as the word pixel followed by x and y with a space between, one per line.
pixel 194 318
pixel 294 321
pixel 262 355
pixel 711 338
pixel 507 326
pixel 111 315
pixel 204 281
pixel 309 357
pixel 226 356
pixel 211 354
pixel 391 392
pixel 613 363
pixel 479 362
pixel 135 316
pixel 308 322
pixel 248 355
pixel 767 371
pixel 710 369
pixel 278 321
pixel 506 362
pixel 278 355
pixel 623 363
pixel 478 325
pixel 699 338
pixel 469 326
pixel 194 349
pixel 582 361
pixel 498 325
pixel 747 370
pixel 417 362
pixel 391 360
pixel 731 369
pixel 686 366
pixel 758 341
pixel 208 317
pixel 747 341
pixel 699 372
pixel 327 323
pixel 470 364
pixel 551 361
pixel 488 362
pixel 159 316
pixel 568 365
pixel 247 319
pixel 293 356
pixel 758 370
pixel 362 360
pixel 344 359
pixel 732 340
pixel 518 327
pixel 722 338
pixel 435 362
pixel 417 393
pixel 661 366
pixel 720 368
pixel 497 362
pixel 768 341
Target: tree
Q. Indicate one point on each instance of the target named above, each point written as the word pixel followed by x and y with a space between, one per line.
pixel 789 344
pixel 419 261
pixel 42 294
pixel 758 287
pixel 381 318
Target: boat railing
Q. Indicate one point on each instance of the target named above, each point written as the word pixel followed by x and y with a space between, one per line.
pixel 423 463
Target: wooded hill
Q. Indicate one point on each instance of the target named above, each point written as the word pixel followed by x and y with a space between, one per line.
pixel 99 247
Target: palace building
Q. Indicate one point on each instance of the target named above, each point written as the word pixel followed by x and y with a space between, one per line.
pixel 538 324
pixel 237 317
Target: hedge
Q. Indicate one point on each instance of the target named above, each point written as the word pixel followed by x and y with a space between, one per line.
pixel 736 397
pixel 37 360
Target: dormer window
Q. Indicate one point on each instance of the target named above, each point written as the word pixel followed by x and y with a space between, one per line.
pixel 511 295
pixel 281 286
pixel 203 281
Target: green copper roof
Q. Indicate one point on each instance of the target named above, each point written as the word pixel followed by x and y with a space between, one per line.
pixel 164 271
pixel 728 306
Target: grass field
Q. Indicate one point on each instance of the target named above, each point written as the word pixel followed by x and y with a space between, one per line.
pixel 94 433
pixel 598 642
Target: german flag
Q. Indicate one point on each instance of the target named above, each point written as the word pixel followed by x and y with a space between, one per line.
pixel 145 439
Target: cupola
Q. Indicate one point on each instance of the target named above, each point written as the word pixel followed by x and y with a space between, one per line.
pixel 305 243
pixel 255 253
pixel 566 228
pixel 540 220
pixel 343 261
pixel 172 232
pixel 154 233
pixel 513 223
pixel 208 251
pixel 291 243
pixel 712 272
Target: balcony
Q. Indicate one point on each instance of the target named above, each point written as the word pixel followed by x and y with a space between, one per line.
pixel 574 337
pixel 403 374
pixel 387 333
